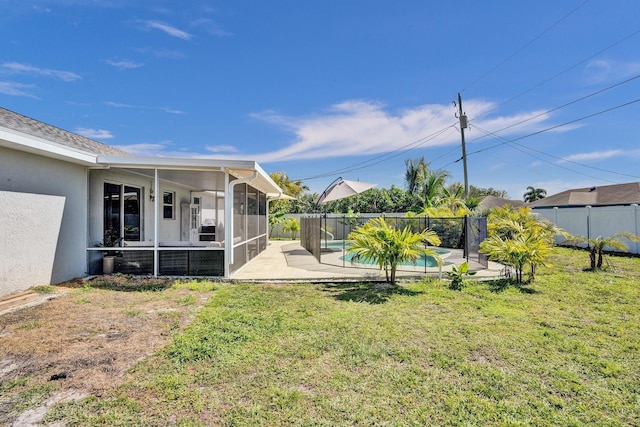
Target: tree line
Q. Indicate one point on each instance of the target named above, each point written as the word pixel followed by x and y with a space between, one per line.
pixel 425 188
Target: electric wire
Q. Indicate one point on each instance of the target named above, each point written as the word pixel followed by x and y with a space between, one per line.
pixel 557 108
pixel 382 157
pixel 545 81
pixel 493 134
pixel 499 64
pixel 521 148
pixel 556 126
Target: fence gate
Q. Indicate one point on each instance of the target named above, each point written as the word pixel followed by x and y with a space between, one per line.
pixel 476 231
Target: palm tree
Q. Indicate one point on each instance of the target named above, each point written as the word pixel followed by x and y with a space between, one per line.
pixel 598 245
pixel 290 187
pixel 415 174
pixel 423 183
pixel 532 194
pixel 517 238
pixel 434 185
pixel 387 246
pixel 292 226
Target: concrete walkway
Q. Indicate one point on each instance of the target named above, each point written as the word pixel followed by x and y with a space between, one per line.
pixel 286 260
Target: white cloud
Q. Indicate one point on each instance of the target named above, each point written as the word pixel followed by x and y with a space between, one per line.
pixel 221 149
pixel 124 64
pixel 161 53
pixel 171 110
pixel 168 29
pixel 211 27
pixel 604 70
pixel 142 107
pixel 118 105
pixel 17 68
pixel 16 89
pixel 600 155
pixel 94 133
pixel 358 127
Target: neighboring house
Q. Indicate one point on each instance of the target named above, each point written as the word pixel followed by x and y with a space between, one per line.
pixel 62 195
pixel 605 195
pixel 492 202
pixel 595 211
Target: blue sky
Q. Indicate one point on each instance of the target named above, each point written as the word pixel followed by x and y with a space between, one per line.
pixel 341 88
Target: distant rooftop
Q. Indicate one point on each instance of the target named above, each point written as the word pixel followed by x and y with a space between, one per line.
pixel 29 126
pixel 492 202
pixel 605 195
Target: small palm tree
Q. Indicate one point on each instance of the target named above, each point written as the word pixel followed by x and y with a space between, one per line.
pixel 598 245
pixel 532 194
pixel 292 226
pixel 388 247
pixel 517 238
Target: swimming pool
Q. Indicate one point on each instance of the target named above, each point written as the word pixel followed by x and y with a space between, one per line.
pixel 423 261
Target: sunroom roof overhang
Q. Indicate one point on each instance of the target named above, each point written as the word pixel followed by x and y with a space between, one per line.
pixel 236 168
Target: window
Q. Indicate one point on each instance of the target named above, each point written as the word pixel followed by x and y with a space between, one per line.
pixel 122 212
pixel 168 205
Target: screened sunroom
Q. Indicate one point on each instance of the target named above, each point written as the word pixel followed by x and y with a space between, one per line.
pixel 176 217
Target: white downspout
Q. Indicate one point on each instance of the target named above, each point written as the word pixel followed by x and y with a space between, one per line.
pixel 156 223
pixel 228 232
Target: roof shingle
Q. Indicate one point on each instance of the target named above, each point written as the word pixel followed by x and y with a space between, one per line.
pixel 26 125
pixel 606 195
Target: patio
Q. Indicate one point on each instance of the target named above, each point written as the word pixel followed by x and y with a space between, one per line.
pixel 287 260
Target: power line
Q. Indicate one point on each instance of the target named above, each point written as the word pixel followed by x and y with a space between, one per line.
pixel 570 68
pixel 524 147
pixel 384 157
pixel 499 64
pixel 561 106
pixel 507 141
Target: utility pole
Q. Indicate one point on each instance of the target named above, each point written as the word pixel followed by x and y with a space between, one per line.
pixel 463 126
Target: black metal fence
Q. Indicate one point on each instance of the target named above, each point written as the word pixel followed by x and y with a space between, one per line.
pixel 328 233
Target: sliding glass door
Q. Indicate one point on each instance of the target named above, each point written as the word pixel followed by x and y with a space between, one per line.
pixel 122 213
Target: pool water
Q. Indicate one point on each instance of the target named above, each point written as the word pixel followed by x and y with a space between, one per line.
pixel 423 261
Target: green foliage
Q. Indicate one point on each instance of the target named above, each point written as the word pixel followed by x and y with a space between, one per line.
pixel 378 242
pixel 276 215
pixel 518 238
pixel 532 194
pixel 458 274
pixel 292 226
pixel 598 246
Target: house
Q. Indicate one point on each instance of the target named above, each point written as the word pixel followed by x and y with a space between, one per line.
pixel 492 202
pixel 62 196
pixel 595 211
pixel 605 195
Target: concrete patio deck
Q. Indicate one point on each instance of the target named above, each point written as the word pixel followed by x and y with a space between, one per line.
pixel 287 260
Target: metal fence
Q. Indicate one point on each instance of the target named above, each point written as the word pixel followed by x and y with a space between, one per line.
pixel 326 234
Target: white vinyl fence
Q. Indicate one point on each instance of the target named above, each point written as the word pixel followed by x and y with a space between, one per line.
pixel 592 222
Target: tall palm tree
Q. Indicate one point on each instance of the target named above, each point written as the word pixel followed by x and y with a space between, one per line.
pixel 415 175
pixel 289 186
pixel 434 186
pixel 532 194
pixel 423 183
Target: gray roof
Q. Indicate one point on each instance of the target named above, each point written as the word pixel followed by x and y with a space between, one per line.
pixel 491 202
pixel 26 125
pixel 605 195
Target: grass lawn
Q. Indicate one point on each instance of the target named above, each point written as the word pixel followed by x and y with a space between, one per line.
pixel 564 350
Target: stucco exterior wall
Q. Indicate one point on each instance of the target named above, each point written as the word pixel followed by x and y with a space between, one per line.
pixel 44 242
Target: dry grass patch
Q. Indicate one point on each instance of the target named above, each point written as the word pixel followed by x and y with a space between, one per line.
pixel 83 343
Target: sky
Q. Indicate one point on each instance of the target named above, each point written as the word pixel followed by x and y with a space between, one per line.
pixel 350 88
